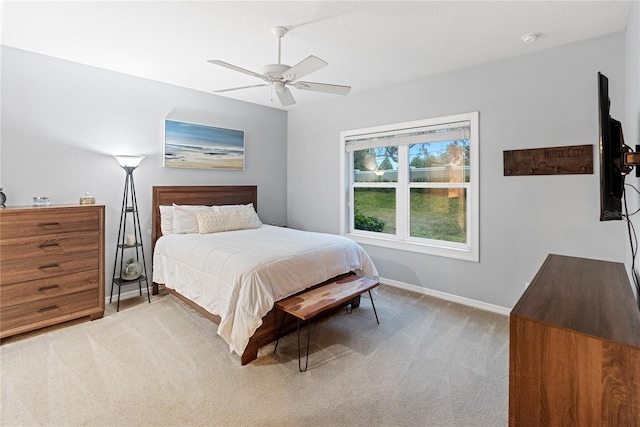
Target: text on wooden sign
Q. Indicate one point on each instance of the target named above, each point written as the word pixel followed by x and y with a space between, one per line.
pixel 571 159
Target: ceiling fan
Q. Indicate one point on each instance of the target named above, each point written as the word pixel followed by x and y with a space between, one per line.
pixel 279 75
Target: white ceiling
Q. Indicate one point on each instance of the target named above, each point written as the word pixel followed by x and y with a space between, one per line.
pixel 368 44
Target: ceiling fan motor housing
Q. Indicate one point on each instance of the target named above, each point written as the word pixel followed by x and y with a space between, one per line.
pixel 275 71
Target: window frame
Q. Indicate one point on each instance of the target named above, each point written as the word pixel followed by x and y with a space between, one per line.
pixel 402 240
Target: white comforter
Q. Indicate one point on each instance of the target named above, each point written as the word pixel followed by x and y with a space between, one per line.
pixel 238 275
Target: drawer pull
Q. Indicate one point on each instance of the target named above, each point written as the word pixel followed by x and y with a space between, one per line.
pixel 46 288
pixel 44 309
pixel 48 245
pixel 48 224
pixel 44 267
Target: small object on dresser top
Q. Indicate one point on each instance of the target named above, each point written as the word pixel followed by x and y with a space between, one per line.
pixel 3 198
pixel 41 201
pixel 87 199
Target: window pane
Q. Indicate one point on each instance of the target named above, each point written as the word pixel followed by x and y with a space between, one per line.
pixel 444 161
pixel 439 214
pixel 375 210
pixel 376 165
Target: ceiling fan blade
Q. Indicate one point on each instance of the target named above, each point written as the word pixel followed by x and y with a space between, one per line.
pixel 304 67
pixel 236 68
pixel 286 97
pixel 238 88
pixel 322 87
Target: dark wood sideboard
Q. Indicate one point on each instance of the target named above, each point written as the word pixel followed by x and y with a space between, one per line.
pixel 574 357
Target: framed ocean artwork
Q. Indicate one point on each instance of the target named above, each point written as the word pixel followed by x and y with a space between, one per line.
pixel 188 145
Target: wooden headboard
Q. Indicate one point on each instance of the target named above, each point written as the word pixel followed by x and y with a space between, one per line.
pixel 198 195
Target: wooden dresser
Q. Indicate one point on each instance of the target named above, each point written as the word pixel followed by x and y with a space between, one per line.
pixel 51 266
pixel 575 347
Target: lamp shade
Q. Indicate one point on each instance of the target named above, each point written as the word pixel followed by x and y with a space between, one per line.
pixel 129 161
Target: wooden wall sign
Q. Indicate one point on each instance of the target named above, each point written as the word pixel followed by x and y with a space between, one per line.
pixel 571 159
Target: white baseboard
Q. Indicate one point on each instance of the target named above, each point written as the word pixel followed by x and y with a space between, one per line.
pixel 447 297
pixel 125 295
pixel 418 289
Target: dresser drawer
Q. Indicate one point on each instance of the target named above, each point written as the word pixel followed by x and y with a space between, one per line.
pixel 21 315
pixel 48 246
pixel 44 221
pixel 20 270
pixel 35 290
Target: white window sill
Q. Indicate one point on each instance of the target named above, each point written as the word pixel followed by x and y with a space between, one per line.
pixel 465 254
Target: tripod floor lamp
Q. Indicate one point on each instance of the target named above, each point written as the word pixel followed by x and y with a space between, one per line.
pixel 129 266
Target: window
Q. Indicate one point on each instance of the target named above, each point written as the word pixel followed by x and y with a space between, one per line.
pixel 413 186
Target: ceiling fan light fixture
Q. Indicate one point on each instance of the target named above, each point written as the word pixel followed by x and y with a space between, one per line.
pixel 279 87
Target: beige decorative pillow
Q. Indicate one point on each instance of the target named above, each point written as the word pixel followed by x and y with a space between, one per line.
pixel 216 220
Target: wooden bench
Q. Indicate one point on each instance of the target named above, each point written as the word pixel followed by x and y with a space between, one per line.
pixel 309 304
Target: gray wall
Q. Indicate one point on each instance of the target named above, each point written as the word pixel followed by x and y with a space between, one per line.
pixel 543 99
pixel 62 122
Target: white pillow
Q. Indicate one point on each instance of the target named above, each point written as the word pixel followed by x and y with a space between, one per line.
pixel 184 218
pixel 166 220
pixel 217 220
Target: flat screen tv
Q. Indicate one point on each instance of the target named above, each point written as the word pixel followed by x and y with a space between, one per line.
pixel 612 148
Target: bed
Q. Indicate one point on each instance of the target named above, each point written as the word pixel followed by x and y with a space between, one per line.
pixel 235 277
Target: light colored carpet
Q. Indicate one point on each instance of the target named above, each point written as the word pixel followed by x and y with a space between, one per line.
pixel 428 363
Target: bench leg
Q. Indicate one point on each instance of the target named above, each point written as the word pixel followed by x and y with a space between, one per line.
pixel 349 306
pixel 279 332
pixel 306 363
pixel 374 308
